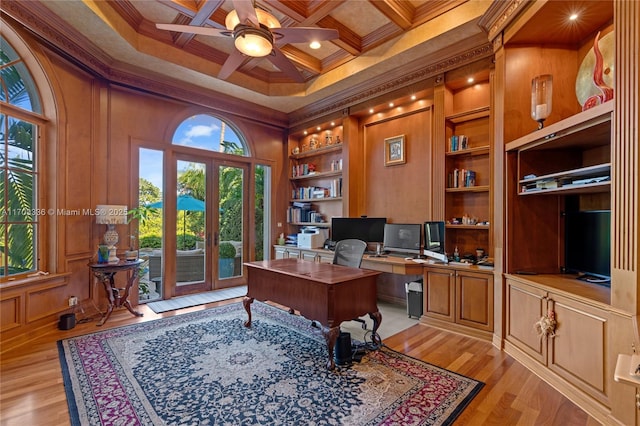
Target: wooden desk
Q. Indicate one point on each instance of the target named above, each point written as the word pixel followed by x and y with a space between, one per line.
pixel 392 264
pixel 326 293
pixel 118 297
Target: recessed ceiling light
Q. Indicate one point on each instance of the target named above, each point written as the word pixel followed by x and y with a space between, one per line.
pixel 413 97
pixel 390 104
pixel 470 80
pixel 306 133
pixel 573 17
pixel 370 110
pixel 333 123
pixel 318 128
pixel 315 44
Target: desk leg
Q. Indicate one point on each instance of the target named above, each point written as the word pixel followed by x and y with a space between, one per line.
pixel 330 336
pixel 376 317
pixel 247 301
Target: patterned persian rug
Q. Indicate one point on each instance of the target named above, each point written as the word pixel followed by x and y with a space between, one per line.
pixel 206 368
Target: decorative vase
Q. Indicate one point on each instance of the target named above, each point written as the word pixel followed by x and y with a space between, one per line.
pixel 131 254
pixel 103 253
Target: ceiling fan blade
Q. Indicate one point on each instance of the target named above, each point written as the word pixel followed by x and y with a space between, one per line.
pixel 303 34
pixel 192 29
pixel 285 65
pixel 233 62
pixel 246 12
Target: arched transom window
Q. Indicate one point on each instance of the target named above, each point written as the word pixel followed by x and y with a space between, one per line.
pixel 211 133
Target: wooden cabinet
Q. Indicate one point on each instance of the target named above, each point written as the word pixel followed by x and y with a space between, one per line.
pixel 315 175
pixel 313 255
pixel 459 297
pixel 577 350
pixel 561 168
pixel 536 38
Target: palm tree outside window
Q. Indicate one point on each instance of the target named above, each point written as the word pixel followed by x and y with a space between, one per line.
pixel 19 212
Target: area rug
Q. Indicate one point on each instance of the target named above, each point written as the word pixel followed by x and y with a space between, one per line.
pixel 206 368
pixel 197 299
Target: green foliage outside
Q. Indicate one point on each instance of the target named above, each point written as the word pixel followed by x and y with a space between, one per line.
pixel 190 224
pixel 227 250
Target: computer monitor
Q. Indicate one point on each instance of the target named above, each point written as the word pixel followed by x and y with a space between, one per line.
pixel 434 240
pixel 403 238
pixel 367 229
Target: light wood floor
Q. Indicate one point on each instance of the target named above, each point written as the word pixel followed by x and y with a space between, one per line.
pixel 32 391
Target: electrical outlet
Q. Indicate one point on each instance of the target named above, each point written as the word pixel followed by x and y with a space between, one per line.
pixel 73 301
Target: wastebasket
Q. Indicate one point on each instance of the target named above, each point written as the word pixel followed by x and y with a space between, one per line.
pixel 414 298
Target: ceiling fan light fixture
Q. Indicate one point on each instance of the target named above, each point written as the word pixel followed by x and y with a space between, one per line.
pixel 254 42
pixel 264 18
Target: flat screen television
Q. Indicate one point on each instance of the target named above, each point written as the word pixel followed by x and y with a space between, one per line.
pixel 587 245
pixel 403 238
pixel 434 240
pixel 367 229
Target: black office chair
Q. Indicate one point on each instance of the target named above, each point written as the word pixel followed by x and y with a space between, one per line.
pixel 349 252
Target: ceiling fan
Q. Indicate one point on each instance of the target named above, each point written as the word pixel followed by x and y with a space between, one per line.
pixel 256 34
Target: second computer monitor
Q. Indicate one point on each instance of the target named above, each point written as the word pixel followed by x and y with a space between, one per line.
pixel 403 238
pixel 434 240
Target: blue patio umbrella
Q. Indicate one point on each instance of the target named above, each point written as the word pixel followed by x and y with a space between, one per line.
pixel 185 203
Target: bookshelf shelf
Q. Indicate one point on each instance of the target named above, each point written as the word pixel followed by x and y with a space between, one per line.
pixel 316 200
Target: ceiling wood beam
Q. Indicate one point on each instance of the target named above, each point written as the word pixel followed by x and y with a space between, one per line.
pixel 400 13
pixel 347 39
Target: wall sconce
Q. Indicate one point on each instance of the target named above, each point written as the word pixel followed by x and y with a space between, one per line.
pixel 111 215
pixel 541 91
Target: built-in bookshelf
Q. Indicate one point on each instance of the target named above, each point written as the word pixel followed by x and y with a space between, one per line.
pixel 468 180
pixel 316 179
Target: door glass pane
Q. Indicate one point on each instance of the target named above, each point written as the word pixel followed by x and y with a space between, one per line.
pixel 262 217
pixel 190 222
pixel 149 231
pixel 231 184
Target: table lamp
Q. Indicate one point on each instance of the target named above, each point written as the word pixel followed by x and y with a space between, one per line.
pixel 111 215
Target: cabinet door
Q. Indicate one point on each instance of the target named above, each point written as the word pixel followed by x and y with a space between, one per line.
pixel 577 352
pixel 439 293
pixel 308 255
pixel 474 300
pixel 525 306
pixel 325 258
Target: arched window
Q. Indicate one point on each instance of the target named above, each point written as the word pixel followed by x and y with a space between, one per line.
pixel 211 133
pixel 19 213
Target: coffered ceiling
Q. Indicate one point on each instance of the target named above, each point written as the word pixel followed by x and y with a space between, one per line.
pixel 382 45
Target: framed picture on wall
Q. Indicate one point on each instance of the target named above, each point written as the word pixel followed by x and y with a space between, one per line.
pixel 394 151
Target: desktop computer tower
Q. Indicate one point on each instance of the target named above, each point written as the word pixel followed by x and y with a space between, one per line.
pixel 414 298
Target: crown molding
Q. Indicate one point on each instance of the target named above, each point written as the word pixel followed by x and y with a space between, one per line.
pixel 58 38
pixel 371 90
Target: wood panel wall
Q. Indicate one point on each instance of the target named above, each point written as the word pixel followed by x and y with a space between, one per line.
pixel 401 193
pixel 88 143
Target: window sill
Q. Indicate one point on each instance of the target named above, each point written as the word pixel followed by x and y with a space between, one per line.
pixel 8 283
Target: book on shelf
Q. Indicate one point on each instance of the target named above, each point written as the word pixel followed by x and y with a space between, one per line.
pixel 461 178
pixel 302 204
pixel 316 192
pixel 303 169
pixel 303 215
pixel 458 143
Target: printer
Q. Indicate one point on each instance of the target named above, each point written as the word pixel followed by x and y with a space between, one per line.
pixel 311 237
